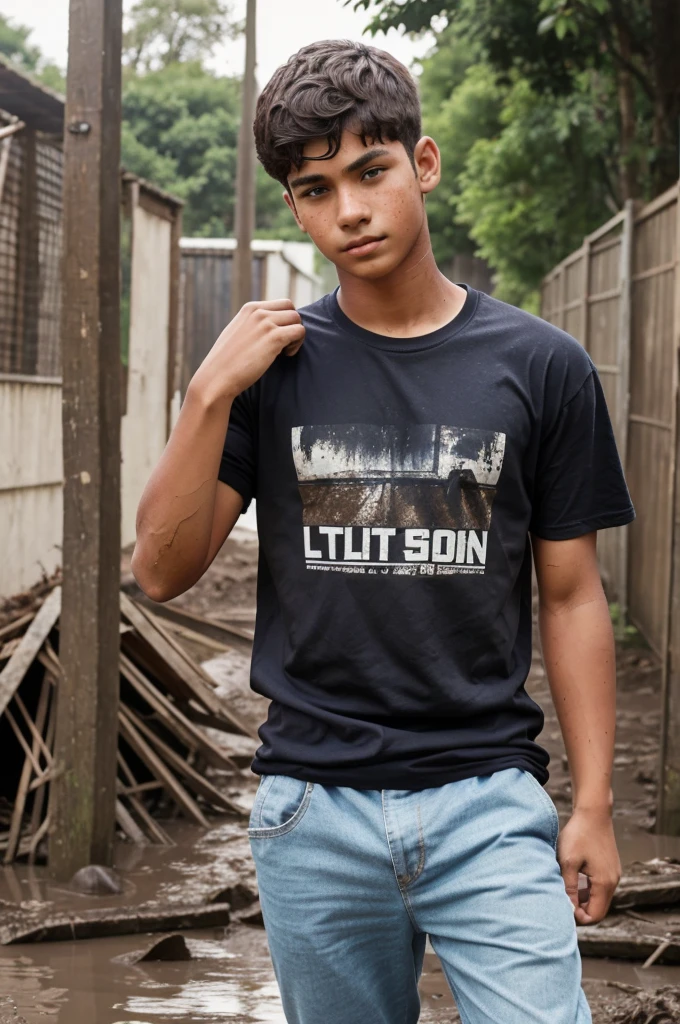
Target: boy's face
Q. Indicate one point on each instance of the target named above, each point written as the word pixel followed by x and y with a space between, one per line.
pixel 364 191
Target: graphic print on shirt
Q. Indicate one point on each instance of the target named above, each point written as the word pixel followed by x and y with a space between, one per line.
pixel 406 500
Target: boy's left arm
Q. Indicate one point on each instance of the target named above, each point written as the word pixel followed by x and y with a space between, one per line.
pixel 578 651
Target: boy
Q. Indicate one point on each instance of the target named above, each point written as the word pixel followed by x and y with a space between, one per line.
pixel 411 443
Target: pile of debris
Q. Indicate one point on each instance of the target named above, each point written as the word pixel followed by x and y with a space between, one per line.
pixel 167 713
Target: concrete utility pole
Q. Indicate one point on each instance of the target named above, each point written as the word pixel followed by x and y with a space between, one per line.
pixel 83 793
pixel 244 213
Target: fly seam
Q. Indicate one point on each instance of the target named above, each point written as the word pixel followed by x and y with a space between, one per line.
pixel 421 847
pixel 404 895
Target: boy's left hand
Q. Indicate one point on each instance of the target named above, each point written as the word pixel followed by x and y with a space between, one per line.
pixel 587 843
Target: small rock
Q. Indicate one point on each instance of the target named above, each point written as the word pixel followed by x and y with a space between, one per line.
pixel 237 896
pixel 170 947
pixel 250 915
pixel 96 880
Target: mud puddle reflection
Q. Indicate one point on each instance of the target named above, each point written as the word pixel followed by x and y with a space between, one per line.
pixel 231 979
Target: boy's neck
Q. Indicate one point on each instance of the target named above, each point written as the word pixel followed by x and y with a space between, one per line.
pixel 414 299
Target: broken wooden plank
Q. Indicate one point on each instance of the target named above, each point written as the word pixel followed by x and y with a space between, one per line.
pixel 646 892
pixel 39 798
pixel 159 770
pixel 27 771
pixel 92 924
pixel 173 718
pixel 624 944
pixel 16 625
pixel 129 826
pixel 22 742
pixel 198 638
pixel 194 679
pixel 35 839
pixel 31 642
pixel 194 779
pixel 154 830
pixel 231 633
pixel 35 729
pixel 241 749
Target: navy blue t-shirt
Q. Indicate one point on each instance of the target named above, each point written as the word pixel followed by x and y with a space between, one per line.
pixel 397 482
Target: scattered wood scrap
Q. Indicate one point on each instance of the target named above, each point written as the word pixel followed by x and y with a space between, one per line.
pixel 95 924
pixel 651 883
pixel 167 706
pixel 626 938
pixel 660 1007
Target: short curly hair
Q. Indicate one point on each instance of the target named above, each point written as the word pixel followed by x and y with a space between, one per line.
pixel 325 87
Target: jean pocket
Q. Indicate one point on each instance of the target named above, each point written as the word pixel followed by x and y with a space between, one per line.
pixel 280 804
pixel 547 803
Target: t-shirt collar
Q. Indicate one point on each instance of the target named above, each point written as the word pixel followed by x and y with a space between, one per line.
pixel 390 343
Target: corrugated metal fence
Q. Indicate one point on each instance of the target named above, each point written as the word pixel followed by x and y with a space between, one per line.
pixel 618 295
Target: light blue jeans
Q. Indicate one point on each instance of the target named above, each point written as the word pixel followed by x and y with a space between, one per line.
pixel 352 881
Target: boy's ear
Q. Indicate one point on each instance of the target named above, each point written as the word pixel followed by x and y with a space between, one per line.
pixel 428 163
pixel 291 206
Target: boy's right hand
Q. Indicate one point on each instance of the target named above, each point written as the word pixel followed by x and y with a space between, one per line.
pixel 247 346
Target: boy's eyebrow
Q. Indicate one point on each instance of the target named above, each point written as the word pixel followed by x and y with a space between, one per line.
pixel 365 158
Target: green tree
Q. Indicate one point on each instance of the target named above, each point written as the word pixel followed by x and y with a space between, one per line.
pixel 461 103
pixel 550 42
pixel 164 32
pixel 180 130
pixel 528 195
pixel 15 45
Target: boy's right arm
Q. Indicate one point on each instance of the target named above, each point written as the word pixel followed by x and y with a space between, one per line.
pixel 186 513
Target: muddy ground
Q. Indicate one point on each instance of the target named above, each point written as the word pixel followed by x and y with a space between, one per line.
pixel 230 976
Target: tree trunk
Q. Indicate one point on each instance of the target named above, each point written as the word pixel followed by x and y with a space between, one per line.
pixel 665 18
pixel 629 176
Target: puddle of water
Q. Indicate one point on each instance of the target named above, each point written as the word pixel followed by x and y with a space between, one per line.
pixel 61 983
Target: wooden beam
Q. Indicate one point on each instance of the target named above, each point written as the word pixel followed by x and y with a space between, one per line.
pixel 244 208
pixel 29 645
pixel 194 780
pixel 668 796
pixel 28 303
pixel 159 770
pixel 194 682
pixel 84 795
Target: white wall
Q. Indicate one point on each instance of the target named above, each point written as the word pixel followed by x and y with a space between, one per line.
pixel 30 482
pixel 144 427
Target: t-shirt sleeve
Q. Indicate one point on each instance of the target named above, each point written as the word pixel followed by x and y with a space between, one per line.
pixel 238 467
pixel 579 484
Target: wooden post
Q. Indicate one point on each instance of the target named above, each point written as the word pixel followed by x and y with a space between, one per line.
pixel 175 326
pixel 28 266
pixel 668 800
pixel 83 793
pixel 623 396
pixel 244 212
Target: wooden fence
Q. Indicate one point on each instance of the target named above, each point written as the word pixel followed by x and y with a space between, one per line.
pixel 619 295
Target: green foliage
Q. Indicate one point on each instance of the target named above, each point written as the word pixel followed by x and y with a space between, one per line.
pixel 15 45
pixel 624 632
pixel 180 131
pixel 472 112
pixel 164 32
pixel 548 114
pixel 527 195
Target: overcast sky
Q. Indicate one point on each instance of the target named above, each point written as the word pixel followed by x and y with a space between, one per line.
pixel 283 27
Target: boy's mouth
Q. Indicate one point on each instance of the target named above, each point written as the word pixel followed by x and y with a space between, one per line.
pixel 364 245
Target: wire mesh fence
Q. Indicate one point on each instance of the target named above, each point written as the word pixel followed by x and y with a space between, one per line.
pixel 31 168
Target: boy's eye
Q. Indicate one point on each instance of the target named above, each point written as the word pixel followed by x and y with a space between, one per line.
pixel 369 171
